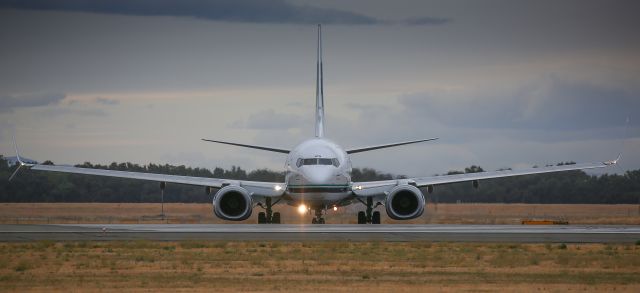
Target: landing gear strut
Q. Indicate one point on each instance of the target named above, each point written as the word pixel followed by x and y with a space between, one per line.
pixel 318 219
pixel 268 217
pixel 369 216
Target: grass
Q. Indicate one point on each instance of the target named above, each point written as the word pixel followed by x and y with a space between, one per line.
pixel 328 266
pixel 22 266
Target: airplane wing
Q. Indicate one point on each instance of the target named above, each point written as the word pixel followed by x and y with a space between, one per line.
pixel 376 188
pixel 258 147
pixel 383 146
pixel 264 189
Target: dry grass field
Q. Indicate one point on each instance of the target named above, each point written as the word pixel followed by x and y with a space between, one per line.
pixel 244 266
pixel 206 266
pixel 30 213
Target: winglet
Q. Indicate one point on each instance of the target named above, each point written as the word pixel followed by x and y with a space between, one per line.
pixel 614 162
pixel 20 162
pixel 15 145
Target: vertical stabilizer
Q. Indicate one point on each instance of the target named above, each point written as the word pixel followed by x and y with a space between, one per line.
pixel 319 91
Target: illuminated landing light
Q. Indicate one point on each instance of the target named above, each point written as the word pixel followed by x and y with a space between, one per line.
pixel 302 209
pixel 335 208
pixel 277 187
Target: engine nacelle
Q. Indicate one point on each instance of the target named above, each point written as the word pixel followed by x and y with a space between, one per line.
pixel 232 203
pixel 405 202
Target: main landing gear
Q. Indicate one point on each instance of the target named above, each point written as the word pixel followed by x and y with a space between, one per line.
pixel 268 217
pixel 369 216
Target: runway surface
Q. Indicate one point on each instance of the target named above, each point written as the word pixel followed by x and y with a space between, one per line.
pixel 452 233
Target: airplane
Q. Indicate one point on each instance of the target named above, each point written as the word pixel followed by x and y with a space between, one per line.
pixel 318 178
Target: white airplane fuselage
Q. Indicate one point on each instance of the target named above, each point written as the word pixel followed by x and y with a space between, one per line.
pixel 318 174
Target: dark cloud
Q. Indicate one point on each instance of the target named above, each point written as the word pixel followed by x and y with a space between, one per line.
pixel 66 111
pixel 8 103
pixel 553 103
pixel 254 11
pixel 426 21
pixel 106 101
pixel 251 11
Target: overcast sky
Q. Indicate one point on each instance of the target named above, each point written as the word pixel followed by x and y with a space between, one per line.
pixel 501 83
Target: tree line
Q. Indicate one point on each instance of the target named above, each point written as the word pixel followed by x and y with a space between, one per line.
pixel 564 187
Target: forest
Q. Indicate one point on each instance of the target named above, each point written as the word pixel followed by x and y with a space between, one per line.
pixel 565 187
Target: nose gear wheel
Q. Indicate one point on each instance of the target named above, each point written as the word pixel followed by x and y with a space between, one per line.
pixel 318 219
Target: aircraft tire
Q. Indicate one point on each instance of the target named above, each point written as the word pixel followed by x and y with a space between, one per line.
pixel 362 218
pixel 375 218
pixel 276 218
pixel 262 218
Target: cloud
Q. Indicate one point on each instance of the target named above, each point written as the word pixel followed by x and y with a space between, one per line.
pixel 67 111
pixel 8 103
pixel 106 101
pixel 253 11
pixel 552 103
pixel 250 11
pixel 269 119
pixel 56 105
pixel 426 21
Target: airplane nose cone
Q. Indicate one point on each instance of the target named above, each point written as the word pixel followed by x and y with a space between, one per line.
pixel 317 176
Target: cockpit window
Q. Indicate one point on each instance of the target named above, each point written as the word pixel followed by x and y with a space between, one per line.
pixel 318 161
pixel 335 162
pixel 325 162
pixel 313 161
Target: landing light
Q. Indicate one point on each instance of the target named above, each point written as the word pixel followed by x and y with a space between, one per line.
pixel 302 209
pixel 335 209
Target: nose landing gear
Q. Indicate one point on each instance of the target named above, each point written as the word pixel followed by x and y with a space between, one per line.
pixel 318 219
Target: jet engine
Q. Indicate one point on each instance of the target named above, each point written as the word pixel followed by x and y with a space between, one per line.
pixel 405 202
pixel 232 203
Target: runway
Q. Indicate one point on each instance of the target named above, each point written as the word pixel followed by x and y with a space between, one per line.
pixel 230 232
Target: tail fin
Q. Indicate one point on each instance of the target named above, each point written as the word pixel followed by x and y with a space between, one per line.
pixel 319 90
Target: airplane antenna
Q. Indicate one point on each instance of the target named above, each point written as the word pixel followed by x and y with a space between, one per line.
pixel 319 89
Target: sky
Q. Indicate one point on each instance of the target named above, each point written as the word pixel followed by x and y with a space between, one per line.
pixel 500 83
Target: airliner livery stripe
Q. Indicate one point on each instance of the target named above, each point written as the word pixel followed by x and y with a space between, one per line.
pixel 324 188
pixel 323 185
